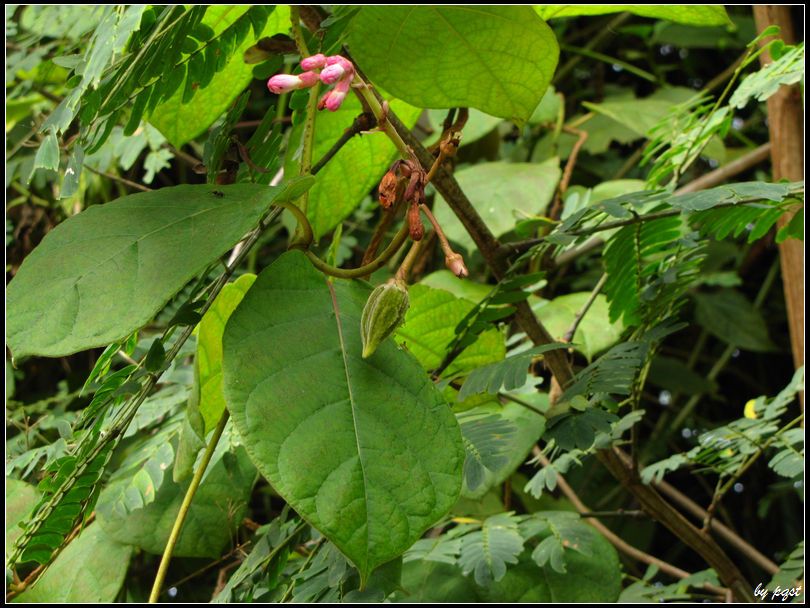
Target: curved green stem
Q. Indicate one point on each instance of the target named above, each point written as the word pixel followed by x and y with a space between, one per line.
pixel 184 507
pixel 365 92
pixel 356 273
pixel 304 234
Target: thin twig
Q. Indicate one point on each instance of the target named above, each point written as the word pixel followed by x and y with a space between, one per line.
pixel 735 167
pixel 119 179
pixel 562 187
pixel 569 335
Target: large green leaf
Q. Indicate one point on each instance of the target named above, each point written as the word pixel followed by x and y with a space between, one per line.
pixel 595 332
pixel 209 348
pixel 731 317
pixel 502 193
pixel 21 498
pixel 429 329
pixel 691 15
pixel 366 450
pixel 104 273
pixel 181 122
pixel 353 171
pixel 499 59
pixel 215 513
pixel 588 578
pixel 642 114
pixel 90 570
pixel 461 288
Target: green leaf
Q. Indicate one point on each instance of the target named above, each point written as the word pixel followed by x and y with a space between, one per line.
pixel 731 317
pixel 181 122
pixel 641 115
pixel 477 126
pixel 502 193
pixel 353 171
pixel 509 374
pixel 487 551
pixel 434 582
pixel 530 426
pixel 690 15
pixel 102 274
pixel 787 70
pixel 429 330
pixel 47 156
pixel 587 579
pixel 217 510
pixel 461 288
pixel 674 375
pixel 486 442
pixel 380 449
pixel 90 569
pixel 209 349
pixel 595 332
pixel 498 59
pixel 21 498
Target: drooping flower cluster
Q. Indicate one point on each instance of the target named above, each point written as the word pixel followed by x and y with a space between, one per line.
pixel 335 70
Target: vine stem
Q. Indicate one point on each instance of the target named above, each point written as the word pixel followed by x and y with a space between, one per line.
pixel 184 507
pixel 361 271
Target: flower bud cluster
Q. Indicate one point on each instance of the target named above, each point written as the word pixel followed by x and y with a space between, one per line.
pixel 333 70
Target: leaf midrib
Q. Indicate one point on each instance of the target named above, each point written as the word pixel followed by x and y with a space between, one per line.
pixel 336 308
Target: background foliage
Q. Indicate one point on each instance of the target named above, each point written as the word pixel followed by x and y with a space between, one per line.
pixel 448 466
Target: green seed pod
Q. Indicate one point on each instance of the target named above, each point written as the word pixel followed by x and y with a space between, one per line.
pixel 384 311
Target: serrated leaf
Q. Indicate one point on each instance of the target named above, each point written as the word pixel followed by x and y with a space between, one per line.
pixel 499 59
pixel 383 448
pixel 502 193
pixel 105 272
pixel 91 569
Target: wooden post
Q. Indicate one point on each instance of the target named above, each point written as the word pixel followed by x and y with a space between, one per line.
pixel 785 123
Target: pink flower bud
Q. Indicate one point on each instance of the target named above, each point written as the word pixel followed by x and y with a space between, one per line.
pixel 332 73
pixel 284 83
pixel 334 98
pixel 314 62
pixel 340 60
